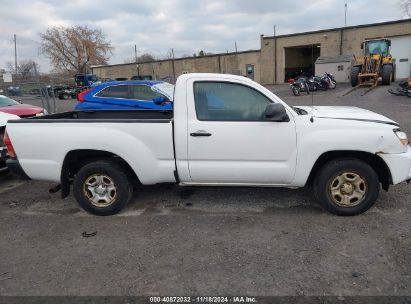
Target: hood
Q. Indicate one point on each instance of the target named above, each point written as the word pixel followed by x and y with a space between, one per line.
pixel 347 113
pixel 4 117
pixel 22 110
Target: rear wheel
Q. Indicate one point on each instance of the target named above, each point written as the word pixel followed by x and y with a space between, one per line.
pixel 386 74
pixel 102 187
pixel 346 187
pixel 355 70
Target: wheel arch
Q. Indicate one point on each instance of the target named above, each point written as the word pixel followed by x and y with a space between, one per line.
pixel 373 160
pixel 75 159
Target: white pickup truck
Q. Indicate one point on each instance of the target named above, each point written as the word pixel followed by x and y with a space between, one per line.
pixel 224 130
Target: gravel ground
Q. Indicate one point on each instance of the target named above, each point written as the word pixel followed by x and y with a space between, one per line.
pixel 209 241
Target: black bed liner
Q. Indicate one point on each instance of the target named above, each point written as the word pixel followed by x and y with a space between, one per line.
pixel 93 116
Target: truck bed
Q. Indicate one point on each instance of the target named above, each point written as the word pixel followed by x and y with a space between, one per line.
pixel 142 138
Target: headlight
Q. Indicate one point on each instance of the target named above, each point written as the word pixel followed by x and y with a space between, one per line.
pixel 42 113
pixel 402 136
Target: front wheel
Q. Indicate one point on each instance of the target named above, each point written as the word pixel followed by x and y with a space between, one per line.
pixel 102 187
pixel 355 70
pixel 346 187
pixel 296 91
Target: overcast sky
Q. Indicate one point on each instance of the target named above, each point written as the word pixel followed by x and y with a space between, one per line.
pixel 186 25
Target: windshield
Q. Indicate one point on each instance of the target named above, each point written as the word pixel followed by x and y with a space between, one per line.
pixel 6 102
pixel 165 88
pixel 376 47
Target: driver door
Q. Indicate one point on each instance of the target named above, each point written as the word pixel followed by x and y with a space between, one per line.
pixel 230 142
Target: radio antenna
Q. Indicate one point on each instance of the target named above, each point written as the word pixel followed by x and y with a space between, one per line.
pixel 313 75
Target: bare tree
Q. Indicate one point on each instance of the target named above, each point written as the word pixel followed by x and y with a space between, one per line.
pixel 25 68
pixel 406 6
pixel 75 48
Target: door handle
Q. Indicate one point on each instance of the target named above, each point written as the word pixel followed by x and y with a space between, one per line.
pixel 200 133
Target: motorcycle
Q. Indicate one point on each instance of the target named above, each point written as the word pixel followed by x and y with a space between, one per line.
pixel 318 83
pixel 300 85
pixel 332 83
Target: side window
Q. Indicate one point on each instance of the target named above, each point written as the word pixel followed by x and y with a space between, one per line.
pixel 143 92
pixel 223 101
pixel 104 93
pixel 118 91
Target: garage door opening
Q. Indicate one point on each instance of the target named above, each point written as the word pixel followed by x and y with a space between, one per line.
pixel 299 60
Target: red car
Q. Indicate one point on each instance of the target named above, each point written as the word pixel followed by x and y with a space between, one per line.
pixel 11 106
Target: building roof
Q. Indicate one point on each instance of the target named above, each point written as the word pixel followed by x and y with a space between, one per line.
pixel 334 59
pixel 341 28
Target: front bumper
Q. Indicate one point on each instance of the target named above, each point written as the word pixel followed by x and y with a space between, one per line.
pixel 14 166
pixel 399 165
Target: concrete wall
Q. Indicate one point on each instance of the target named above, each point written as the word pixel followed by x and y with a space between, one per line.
pixel 231 63
pixel 332 42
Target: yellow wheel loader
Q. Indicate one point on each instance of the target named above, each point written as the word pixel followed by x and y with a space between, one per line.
pixel 375 63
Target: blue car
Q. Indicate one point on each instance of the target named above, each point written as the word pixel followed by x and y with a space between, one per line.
pixel 126 95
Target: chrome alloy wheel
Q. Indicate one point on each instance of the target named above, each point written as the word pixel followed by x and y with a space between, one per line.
pixel 100 190
pixel 347 189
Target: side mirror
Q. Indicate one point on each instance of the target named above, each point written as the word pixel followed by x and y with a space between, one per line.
pixel 158 100
pixel 276 112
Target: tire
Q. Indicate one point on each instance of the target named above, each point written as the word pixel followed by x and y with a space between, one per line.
pixel 65 96
pixel 296 91
pixel 386 74
pixel 108 184
pixel 394 69
pixel 346 187
pixel 355 70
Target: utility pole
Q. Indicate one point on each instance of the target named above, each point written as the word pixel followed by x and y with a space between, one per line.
pixel 15 54
pixel 174 71
pixel 345 14
pixel 235 45
pixel 136 59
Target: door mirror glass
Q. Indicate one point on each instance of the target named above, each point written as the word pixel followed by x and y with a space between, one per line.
pixel 276 112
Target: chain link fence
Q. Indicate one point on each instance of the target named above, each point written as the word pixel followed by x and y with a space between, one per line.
pixel 38 92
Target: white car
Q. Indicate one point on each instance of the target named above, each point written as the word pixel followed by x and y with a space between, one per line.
pixel 4 117
pixel 224 130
